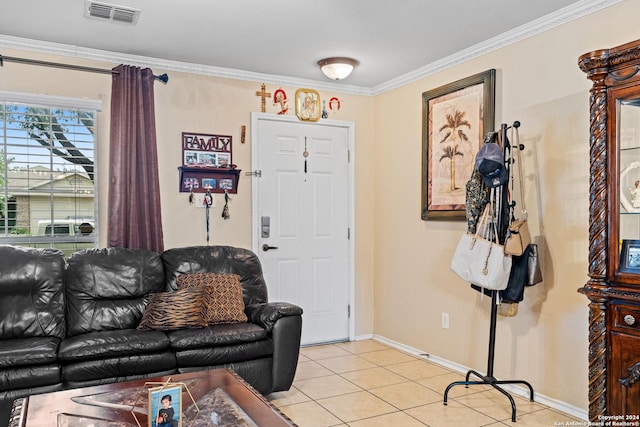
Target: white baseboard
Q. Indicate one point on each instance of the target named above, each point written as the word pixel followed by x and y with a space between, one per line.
pixel 520 391
pixel 364 337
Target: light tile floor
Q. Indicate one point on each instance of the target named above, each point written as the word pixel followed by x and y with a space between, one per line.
pixel 368 384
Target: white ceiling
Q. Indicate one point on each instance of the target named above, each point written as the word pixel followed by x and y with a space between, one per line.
pixel 276 40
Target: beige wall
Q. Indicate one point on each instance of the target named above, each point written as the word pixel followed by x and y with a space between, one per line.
pixel 403 282
pixel 539 84
pixel 197 103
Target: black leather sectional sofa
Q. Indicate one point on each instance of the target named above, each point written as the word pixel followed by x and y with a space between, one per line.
pixel 73 324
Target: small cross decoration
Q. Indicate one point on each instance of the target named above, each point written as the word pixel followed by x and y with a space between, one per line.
pixel 264 94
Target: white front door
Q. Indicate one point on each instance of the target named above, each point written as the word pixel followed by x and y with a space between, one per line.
pixel 302 218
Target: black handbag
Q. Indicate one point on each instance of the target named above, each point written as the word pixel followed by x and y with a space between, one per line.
pixel 534 272
pixel 525 271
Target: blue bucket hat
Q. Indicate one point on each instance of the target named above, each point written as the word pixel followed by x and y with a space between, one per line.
pixel 490 164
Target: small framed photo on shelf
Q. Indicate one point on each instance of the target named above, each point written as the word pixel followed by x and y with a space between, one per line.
pixel 165 406
pixel 308 105
pixel 630 256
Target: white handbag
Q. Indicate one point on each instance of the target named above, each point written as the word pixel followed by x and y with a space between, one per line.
pixel 481 261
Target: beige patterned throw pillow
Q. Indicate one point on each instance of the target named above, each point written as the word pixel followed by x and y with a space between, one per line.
pixel 223 301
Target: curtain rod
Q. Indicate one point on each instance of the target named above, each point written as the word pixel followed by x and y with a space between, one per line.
pixel 163 77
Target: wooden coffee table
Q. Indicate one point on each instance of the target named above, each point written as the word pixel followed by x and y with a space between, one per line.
pixel 127 403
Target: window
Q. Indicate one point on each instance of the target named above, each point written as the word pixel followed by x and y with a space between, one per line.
pixel 47 175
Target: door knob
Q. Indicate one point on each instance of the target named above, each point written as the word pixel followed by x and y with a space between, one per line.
pixel 266 247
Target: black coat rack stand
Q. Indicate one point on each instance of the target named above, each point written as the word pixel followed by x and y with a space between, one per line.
pixel 489 379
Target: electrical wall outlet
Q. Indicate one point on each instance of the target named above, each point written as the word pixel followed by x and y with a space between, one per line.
pixel 445 320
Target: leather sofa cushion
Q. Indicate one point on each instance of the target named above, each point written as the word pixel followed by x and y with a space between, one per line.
pixel 30 376
pixel 98 345
pixel 208 356
pixel 220 260
pixel 106 288
pixel 223 301
pixel 111 380
pixel 216 335
pixel 29 352
pixel 31 293
pixel 123 366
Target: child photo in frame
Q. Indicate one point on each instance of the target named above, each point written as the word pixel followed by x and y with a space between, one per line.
pixel 165 407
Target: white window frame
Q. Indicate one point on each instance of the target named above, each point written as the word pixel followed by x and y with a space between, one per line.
pixel 62 103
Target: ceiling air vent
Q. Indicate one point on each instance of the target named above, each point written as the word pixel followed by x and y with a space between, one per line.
pixel 111 12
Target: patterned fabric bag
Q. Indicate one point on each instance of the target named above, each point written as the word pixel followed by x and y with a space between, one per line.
pixel 477 197
pixel 477 192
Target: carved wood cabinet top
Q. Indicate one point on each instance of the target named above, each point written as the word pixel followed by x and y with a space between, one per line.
pixel 610 58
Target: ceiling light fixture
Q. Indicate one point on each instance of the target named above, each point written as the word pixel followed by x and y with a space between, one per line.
pixel 337 68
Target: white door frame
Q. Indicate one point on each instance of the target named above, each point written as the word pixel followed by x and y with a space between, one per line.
pixel 255 217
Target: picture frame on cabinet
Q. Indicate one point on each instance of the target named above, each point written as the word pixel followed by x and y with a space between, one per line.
pixel 455 118
pixel 630 256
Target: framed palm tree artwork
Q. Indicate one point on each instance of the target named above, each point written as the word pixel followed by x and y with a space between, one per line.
pixel 455 118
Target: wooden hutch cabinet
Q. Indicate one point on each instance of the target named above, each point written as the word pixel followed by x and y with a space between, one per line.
pixel 614 232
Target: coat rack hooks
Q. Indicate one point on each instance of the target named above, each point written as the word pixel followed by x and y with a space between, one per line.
pixel 516 125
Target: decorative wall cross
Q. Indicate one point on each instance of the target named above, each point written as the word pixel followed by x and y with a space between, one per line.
pixel 264 94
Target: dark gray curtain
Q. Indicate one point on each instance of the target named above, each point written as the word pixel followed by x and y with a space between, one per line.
pixel 135 220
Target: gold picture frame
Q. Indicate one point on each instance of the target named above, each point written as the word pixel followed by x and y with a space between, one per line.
pixel 308 105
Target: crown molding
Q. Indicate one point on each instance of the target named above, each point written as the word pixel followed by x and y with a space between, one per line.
pixel 530 29
pixel 168 65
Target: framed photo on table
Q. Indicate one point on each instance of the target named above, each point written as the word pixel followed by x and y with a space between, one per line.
pixel 308 105
pixel 455 118
pixel 165 406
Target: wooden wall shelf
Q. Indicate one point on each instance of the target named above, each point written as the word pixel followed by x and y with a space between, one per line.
pixel 197 179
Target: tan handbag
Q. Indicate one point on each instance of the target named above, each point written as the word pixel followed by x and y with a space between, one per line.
pixel 518 237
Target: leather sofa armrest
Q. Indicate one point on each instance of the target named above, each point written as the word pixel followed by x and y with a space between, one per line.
pixel 267 314
pixel 283 321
